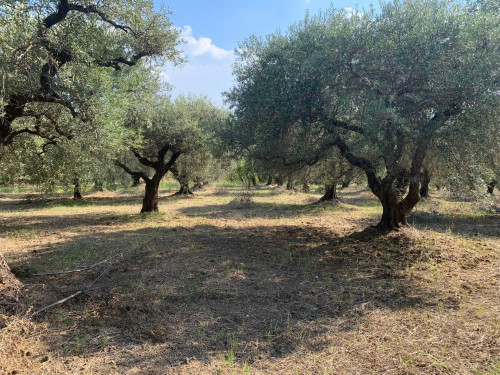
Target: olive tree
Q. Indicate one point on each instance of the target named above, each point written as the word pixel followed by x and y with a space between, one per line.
pixel 379 87
pixel 56 55
pixel 61 53
pixel 165 130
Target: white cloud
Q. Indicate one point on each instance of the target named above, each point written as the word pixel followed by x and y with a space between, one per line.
pixel 203 45
pixel 207 70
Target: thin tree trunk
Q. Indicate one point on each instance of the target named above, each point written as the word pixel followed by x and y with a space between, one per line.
pixel 491 186
pixel 254 181
pixel 289 184
pixel 330 193
pixel 269 181
pixel 77 194
pixel 424 184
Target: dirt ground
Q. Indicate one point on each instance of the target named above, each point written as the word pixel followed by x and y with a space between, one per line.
pixel 265 282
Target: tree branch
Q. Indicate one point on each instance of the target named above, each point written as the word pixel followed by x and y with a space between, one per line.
pixel 115 63
pixel 172 160
pixel 142 175
pixel 143 160
pixel 64 7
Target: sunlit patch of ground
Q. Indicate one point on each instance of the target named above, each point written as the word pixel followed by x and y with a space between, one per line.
pixel 266 282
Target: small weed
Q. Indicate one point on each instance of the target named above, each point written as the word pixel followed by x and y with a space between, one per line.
pixel 231 352
pixel 246 369
pixel 229 264
pixel 80 343
pixel 437 361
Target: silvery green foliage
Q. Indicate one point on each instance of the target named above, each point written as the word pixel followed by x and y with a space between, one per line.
pixel 67 56
pixel 383 87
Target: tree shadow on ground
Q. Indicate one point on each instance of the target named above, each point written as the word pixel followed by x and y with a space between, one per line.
pixel 464 225
pixel 16 227
pixel 200 290
pixel 237 210
pixel 23 202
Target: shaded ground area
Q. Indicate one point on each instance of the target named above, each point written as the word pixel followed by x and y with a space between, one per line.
pixel 272 285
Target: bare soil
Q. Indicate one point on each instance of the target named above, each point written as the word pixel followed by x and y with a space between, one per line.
pixel 261 282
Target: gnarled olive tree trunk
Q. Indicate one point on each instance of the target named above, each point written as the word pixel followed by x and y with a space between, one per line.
pixel 330 193
pixel 150 200
pixel 152 185
pixel 395 211
pixel 183 180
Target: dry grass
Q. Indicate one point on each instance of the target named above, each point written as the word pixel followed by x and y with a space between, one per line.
pixel 282 286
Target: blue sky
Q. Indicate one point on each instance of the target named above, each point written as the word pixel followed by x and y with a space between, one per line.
pixel 213 29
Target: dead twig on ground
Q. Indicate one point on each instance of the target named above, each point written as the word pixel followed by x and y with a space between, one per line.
pixel 57 303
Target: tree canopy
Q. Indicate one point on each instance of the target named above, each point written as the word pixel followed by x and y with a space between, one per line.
pixel 58 55
pixel 377 86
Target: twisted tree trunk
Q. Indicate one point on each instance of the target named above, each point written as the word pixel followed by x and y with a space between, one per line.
pixel 330 193
pixel 183 181
pixel 150 201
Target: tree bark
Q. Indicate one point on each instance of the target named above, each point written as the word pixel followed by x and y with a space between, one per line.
pixel 9 289
pixel 289 184
pixel 6 277
pixel 269 181
pixel 330 193
pixel 77 194
pixel 491 187
pixel 390 208
pixel 424 184
pixel 150 201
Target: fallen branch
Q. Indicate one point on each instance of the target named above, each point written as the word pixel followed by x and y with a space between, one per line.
pixel 84 268
pixel 79 269
pixel 121 255
pixel 57 303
